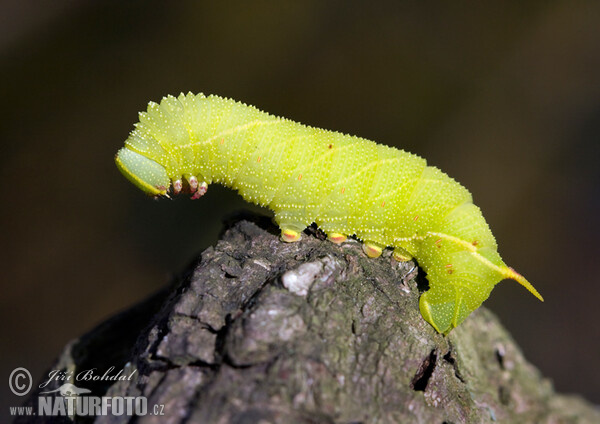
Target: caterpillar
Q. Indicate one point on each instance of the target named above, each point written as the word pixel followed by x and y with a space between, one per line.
pixel 348 186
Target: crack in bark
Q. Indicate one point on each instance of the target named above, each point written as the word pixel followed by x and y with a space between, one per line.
pixel 424 373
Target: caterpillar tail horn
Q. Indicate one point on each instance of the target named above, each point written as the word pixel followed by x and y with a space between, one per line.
pixel 511 274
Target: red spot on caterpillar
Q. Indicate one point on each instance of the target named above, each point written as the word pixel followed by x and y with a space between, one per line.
pixel 448 268
pixel 258 160
pixel 383 204
pixel 416 217
pixel 343 190
pixel 438 242
pixel 475 243
pixel 222 140
pixel 330 146
pixel 299 177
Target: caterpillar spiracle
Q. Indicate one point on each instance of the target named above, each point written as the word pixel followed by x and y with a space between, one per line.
pixel 347 185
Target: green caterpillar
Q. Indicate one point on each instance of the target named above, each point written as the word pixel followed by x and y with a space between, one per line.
pixel 347 185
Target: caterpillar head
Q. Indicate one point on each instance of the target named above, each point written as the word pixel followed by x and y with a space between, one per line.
pixel 148 175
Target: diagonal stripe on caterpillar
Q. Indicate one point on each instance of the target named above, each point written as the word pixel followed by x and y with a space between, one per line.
pixel 345 184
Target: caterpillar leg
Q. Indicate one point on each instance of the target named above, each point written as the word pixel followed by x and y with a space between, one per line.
pixel 291 222
pixel 177 186
pixel 288 235
pixel 193 181
pixel 202 188
pixel 401 255
pixel 372 250
pixel 336 238
pixel 198 188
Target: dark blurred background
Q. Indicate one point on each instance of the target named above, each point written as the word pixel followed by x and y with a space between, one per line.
pixel 503 96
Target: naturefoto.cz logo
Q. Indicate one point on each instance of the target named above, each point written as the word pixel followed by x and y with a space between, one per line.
pixel 69 400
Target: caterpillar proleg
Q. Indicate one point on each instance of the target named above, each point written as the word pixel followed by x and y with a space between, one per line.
pixel 347 185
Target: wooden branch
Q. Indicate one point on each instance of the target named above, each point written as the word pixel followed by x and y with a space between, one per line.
pixel 310 332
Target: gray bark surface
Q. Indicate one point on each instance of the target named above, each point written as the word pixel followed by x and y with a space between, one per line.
pixel 261 331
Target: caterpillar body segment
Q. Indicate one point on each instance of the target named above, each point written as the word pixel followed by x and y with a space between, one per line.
pixel 346 185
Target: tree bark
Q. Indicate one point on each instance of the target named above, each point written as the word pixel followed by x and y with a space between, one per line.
pixel 311 332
